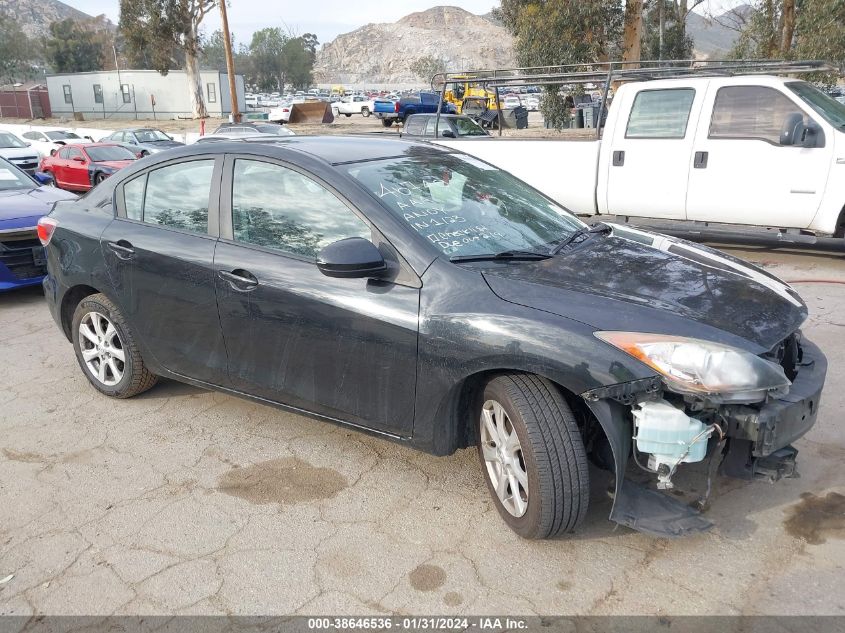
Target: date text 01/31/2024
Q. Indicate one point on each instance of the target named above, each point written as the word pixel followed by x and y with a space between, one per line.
pixel 431 623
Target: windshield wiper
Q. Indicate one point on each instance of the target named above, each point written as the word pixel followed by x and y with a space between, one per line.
pixel 512 256
pixel 599 227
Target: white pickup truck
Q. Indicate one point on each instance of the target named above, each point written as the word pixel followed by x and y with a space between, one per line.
pixel 748 150
pixel 355 104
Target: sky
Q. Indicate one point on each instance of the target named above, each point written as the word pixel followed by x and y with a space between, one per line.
pixel 325 18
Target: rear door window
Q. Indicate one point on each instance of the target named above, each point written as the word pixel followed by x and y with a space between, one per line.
pixel 660 114
pixel 175 196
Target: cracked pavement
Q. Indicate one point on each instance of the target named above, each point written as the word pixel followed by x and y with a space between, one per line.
pixel 183 501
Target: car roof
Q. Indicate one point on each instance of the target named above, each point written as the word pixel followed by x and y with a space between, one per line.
pixel 335 150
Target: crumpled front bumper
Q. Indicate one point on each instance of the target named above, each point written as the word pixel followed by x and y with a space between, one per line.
pixel 759 446
pixel 761 438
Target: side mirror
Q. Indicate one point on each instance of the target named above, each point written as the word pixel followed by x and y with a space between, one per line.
pixel 351 258
pixel 447 134
pixel 793 129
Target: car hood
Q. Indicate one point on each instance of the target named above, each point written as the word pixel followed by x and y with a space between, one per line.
pixel 27 204
pixel 17 152
pixel 637 281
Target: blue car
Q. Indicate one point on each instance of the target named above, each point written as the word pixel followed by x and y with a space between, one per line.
pixel 23 200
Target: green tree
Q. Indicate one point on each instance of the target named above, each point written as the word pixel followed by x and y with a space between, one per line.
pixel 161 31
pixel 213 51
pixel 298 57
pixel 266 51
pixel 820 31
pixel 73 47
pixel 426 67
pixel 557 32
pixel 675 44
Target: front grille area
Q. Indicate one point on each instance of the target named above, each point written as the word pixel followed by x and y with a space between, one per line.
pixel 29 163
pixel 22 254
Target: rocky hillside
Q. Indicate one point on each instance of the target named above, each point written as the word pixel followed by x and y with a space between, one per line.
pixel 35 16
pixel 382 53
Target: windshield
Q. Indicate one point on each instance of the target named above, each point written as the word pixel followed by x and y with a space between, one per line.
pixel 109 152
pixel 468 127
pixel 463 206
pixel 832 111
pixel 150 136
pixel 10 140
pixel 59 135
pixel 13 178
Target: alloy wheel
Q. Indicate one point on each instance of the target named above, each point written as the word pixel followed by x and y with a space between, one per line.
pixel 102 350
pixel 503 458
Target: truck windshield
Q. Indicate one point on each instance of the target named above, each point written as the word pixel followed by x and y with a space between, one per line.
pixel 832 111
pixel 463 206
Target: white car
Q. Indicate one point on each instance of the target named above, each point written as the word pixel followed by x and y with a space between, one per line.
pixel 45 142
pixel 280 114
pixel 532 103
pixel 356 104
pixel 511 102
pixel 18 152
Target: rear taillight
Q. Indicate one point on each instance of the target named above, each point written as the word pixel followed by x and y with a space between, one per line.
pixel 396 107
pixel 46 226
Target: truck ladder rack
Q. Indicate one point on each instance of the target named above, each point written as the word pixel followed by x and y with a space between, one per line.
pixel 608 73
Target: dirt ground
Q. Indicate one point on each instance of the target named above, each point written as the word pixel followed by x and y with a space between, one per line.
pixel 191 502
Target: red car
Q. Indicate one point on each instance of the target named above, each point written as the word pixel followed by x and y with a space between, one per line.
pixel 81 167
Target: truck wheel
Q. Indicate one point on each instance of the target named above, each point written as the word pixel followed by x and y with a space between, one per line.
pixel 387 122
pixel 532 456
pixel 365 111
pixel 106 349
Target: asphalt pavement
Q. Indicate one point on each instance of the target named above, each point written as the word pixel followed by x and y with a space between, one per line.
pixel 187 501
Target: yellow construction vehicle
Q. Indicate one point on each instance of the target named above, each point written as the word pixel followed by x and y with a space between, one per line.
pixel 470 97
pixel 338 91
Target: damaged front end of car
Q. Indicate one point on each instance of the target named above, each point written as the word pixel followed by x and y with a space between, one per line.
pixel 735 411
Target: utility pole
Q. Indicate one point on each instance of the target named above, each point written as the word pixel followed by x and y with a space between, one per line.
pixel 230 63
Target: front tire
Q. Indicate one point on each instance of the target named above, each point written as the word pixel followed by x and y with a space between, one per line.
pixel 106 349
pixel 532 456
pixel 99 177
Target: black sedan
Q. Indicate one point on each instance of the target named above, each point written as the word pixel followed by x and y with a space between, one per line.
pixel 421 294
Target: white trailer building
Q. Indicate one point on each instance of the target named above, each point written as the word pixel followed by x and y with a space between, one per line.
pixel 138 94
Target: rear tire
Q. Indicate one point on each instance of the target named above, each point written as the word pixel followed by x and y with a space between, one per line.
pixel 99 177
pixel 532 456
pixel 365 112
pixel 387 122
pixel 106 349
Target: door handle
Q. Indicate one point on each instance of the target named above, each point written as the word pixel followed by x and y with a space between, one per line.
pixel 240 279
pixel 699 161
pixel 618 158
pixel 122 249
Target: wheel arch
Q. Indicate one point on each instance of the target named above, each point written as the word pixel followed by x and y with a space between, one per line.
pixel 455 421
pixel 70 300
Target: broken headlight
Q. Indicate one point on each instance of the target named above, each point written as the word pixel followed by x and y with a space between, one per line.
pixel 693 366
